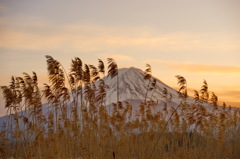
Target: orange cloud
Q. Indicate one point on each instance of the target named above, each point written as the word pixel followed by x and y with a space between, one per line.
pixel 200 68
pixel 117 57
pixel 35 33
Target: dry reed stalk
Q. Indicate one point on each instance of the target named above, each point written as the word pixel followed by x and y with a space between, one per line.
pixel 90 132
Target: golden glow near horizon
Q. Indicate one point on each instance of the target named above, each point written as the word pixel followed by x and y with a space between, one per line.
pixel 196 39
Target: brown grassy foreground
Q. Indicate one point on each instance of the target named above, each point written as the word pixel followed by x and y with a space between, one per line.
pixel 81 127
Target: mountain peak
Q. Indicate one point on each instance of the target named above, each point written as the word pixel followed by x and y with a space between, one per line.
pixel 133 86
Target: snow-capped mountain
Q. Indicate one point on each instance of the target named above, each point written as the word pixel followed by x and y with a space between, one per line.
pixel 133 86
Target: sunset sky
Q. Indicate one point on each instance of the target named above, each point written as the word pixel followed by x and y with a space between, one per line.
pixel 198 39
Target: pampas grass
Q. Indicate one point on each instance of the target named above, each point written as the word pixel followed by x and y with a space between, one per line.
pixel 81 126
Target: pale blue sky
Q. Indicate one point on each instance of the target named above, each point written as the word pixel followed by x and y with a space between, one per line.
pixel 196 39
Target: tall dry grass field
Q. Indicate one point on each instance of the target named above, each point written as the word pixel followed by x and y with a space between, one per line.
pixel 78 124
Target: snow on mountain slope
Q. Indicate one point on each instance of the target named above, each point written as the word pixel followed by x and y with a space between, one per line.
pixel 133 86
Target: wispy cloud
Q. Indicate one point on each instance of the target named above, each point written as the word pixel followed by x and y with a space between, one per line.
pixel 34 33
pixel 199 68
pixel 117 57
